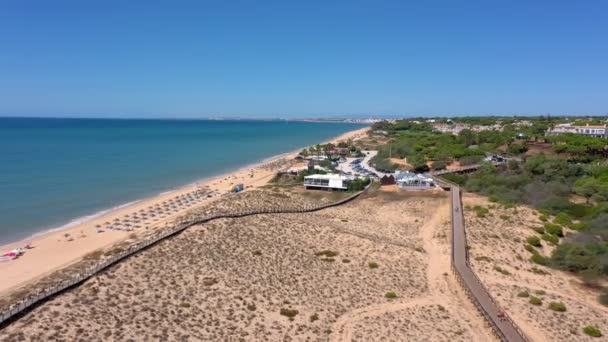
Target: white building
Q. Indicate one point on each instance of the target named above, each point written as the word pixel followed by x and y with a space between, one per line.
pixel 409 180
pixel 328 181
pixel 592 131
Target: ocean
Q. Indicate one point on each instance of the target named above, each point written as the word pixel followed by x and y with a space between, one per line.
pixel 57 171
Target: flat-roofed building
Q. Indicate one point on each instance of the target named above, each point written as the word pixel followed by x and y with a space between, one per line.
pixel 328 181
pixel 410 180
pixel 588 130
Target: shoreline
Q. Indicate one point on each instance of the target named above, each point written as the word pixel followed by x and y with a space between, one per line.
pixel 58 247
pixel 91 217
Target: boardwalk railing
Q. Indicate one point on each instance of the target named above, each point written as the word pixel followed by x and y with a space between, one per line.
pixel 456 170
pixel 87 273
pixel 502 325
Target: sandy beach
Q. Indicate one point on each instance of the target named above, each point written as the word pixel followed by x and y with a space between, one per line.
pixel 60 248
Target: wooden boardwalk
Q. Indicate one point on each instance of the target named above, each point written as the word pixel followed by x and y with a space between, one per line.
pixel 502 324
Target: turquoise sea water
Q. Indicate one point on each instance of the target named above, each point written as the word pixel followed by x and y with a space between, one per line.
pixel 53 171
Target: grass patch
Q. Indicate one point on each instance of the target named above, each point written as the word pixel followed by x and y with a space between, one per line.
pixel 557 306
pixel 592 330
pixel 391 295
pixel 536 301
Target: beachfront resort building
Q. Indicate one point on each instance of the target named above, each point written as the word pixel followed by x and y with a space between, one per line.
pixel 328 181
pixel 409 181
pixel 591 131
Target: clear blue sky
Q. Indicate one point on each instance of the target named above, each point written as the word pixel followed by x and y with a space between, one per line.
pixel 305 58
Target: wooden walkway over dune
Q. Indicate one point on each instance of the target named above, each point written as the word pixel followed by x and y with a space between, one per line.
pixel 504 327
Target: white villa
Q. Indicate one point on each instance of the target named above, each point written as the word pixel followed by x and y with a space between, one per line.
pixel 328 181
pixel 592 131
pixel 409 180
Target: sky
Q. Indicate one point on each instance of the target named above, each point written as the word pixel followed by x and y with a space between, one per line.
pixel 194 59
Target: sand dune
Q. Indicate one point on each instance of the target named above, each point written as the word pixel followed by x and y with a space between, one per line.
pixel 242 279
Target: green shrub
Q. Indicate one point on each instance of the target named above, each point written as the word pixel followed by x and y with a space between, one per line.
pixel 563 219
pixel 534 241
pixel 551 238
pixel 481 211
pixel 579 226
pixel 523 294
pixel 540 292
pixel 504 217
pixel 543 218
pixel 592 331
pixel 536 301
pixel 390 295
pixel 291 313
pixel 501 270
pixel 603 298
pixel 539 230
pixel 529 248
pixel 537 270
pixel 373 265
pixel 557 306
pixel 327 253
pixel 539 259
pixel 554 229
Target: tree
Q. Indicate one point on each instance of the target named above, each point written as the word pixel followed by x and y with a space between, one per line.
pixel 467 136
pixel 591 187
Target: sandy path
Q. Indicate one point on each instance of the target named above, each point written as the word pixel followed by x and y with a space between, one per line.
pixel 441 282
pixel 443 288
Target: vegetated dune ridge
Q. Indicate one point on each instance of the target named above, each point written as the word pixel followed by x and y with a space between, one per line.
pixel 499 258
pixel 242 279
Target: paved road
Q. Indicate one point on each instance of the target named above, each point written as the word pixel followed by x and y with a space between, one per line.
pixel 503 326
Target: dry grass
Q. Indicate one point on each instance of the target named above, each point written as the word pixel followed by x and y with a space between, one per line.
pixel 503 242
pixel 266 277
